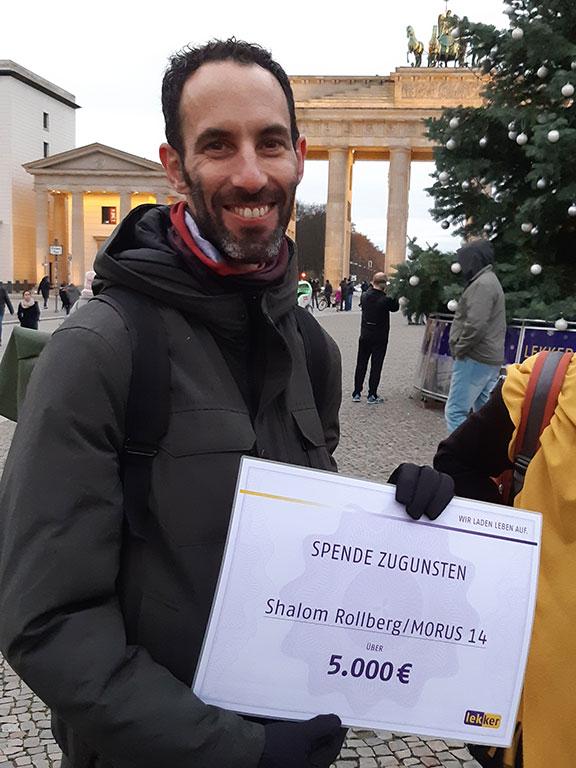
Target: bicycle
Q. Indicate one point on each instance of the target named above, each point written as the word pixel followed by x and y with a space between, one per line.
pixel 323 302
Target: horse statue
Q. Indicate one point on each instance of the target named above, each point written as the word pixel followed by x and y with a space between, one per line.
pixel 415 47
pixel 443 46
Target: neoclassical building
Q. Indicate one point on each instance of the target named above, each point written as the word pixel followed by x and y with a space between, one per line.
pixel 80 196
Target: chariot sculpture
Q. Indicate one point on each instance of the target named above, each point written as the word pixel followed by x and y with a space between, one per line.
pixel 445 45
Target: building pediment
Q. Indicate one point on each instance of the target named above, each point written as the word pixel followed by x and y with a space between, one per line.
pixel 93 158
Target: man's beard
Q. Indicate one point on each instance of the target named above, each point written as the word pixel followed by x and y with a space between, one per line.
pixel 252 248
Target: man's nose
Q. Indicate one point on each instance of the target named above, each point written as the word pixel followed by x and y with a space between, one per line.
pixel 248 173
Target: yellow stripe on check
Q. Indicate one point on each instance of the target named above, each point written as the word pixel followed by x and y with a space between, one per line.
pixel 281 498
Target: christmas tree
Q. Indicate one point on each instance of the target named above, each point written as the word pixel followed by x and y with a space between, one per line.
pixel 424 282
pixel 507 170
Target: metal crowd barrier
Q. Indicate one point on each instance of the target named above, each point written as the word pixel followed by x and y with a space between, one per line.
pixel 523 338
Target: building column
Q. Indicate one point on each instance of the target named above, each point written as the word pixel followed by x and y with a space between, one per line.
pixel 78 268
pixel 125 204
pixel 42 254
pixel 338 214
pixel 398 196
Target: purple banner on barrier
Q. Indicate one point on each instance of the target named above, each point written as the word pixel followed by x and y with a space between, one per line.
pixel 522 341
pixel 536 339
pixel 511 344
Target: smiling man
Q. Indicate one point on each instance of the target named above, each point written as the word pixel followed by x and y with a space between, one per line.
pixel 109 627
pixel 191 355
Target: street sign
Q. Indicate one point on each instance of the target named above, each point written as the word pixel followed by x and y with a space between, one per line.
pixel 55 250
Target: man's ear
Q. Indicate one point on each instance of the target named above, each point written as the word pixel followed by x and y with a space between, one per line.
pixel 172 163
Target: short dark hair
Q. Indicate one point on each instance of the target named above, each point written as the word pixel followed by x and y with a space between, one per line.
pixel 185 62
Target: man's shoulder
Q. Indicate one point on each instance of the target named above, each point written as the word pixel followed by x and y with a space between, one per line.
pixel 101 321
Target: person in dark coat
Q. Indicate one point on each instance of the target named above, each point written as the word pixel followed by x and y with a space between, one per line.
pixel 328 292
pixel 4 302
pixel 44 289
pixel 28 311
pixel 105 622
pixel 349 295
pixel 65 298
pixel 343 290
pixel 373 342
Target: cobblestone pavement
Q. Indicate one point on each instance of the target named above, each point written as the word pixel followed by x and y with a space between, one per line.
pixel 375 438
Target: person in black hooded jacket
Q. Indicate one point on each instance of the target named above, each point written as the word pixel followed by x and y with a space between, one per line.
pixel 477 334
pixel 106 626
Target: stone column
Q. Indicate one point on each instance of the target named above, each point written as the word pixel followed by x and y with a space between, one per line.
pixel 42 245
pixel 78 267
pixel 125 204
pixel 337 248
pixel 398 194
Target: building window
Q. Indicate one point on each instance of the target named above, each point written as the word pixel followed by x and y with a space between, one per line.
pixel 46 149
pixel 46 121
pixel 109 214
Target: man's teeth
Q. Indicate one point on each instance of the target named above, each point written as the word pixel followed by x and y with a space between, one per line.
pixel 251 213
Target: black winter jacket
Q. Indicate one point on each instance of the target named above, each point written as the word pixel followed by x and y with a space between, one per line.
pixel 106 628
pixel 5 301
pixel 376 308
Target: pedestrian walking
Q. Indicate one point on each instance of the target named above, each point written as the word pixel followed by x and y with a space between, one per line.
pixel 44 290
pixel 349 294
pixel 328 290
pixel 65 298
pixel 477 334
pixel 315 291
pixel 373 341
pixel 343 291
pixel 108 628
pixel 28 311
pixel 4 303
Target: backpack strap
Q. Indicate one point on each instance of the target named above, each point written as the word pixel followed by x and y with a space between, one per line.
pixel 316 349
pixel 538 408
pixel 148 404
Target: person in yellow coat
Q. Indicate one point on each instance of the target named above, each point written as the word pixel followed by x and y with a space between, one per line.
pixel 479 450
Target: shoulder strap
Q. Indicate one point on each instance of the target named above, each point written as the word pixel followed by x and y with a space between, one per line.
pixel 538 408
pixel 148 405
pixel 316 350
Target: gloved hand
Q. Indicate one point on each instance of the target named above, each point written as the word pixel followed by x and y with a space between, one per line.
pixel 313 743
pixel 422 490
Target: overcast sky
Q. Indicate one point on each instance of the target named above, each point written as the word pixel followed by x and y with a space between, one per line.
pixel 111 56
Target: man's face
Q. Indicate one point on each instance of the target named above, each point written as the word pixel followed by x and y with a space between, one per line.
pixel 239 171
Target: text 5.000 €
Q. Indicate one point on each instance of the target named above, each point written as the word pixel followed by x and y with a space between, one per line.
pixel 371 669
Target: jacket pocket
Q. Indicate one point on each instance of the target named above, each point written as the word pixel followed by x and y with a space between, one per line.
pixel 209 431
pixel 310 427
pixel 194 475
pixel 312 438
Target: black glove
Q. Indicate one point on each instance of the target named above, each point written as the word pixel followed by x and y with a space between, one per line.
pixel 313 743
pixel 422 490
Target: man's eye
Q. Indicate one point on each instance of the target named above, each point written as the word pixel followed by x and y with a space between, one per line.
pixel 215 146
pixel 273 144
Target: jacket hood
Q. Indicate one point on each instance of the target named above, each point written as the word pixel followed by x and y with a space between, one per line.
pixel 474 257
pixel 139 255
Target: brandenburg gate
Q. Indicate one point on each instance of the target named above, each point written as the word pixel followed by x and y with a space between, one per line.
pixel 346 119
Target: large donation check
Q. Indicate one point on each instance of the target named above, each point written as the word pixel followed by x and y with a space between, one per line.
pixel 332 599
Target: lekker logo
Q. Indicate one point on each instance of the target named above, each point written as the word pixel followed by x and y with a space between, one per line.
pixel 482 719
